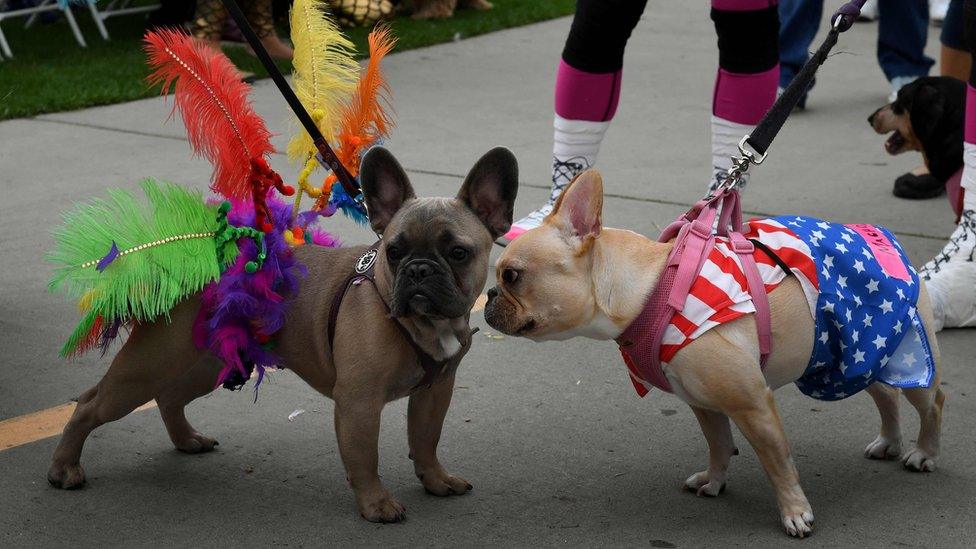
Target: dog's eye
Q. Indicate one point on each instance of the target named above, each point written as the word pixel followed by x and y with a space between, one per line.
pixel 509 276
pixel 459 254
pixel 393 254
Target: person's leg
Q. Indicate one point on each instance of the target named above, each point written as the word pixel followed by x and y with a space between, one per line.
pixel 208 21
pixel 587 90
pixel 748 74
pixel 799 21
pixel 260 15
pixel 955 60
pixel 902 32
pixel 951 275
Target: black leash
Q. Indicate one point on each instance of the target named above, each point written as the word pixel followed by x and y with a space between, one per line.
pixel 762 137
pixel 326 156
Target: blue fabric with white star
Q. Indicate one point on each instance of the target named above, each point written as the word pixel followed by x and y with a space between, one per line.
pixel 867 324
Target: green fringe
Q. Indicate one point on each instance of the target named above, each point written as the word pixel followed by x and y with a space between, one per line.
pixel 147 283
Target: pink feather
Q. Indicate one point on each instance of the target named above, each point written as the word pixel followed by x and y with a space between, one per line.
pixel 212 99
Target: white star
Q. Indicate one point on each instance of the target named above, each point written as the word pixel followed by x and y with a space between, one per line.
pixel 841 248
pixel 867 374
pixel 872 286
pixel 857 299
pixel 855 336
pixel 886 306
pixel 816 394
pixel 911 282
pixel 847 238
pixel 848 315
pixel 866 253
pixel 867 319
pixel 843 346
pixel 898 327
pixel 823 337
pixel 823 225
pixel 820 364
pixel 828 307
pixel 918 337
pixel 843 367
pixel 858 357
pixel 826 273
pixel 841 394
pixel 794 223
pixel 911 311
pixel 879 343
pixel 896 377
pixel 859 266
pixel 884 360
pixel 909 359
pixel 901 294
pixel 828 260
pixel 842 282
pixel 838 325
pixel 818 235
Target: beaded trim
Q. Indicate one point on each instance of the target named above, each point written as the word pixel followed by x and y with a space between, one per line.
pixel 152 244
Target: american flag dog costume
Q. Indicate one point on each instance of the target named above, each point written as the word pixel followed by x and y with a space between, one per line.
pixel 860 287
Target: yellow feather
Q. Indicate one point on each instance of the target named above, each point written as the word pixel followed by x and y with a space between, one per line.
pixel 325 71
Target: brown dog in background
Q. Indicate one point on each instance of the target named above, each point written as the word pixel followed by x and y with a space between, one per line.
pixel 431 267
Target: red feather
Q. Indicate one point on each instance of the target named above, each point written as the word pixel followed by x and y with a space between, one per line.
pixel 219 120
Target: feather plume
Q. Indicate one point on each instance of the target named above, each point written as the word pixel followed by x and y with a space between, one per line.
pixel 212 99
pixel 325 71
pixel 366 119
pixel 168 252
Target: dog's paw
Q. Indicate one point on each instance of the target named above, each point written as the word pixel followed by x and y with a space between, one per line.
pixel 701 485
pixel 443 484
pixel 918 460
pixel 798 524
pixel 883 448
pixel 66 477
pixel 385 509
pixel 197 444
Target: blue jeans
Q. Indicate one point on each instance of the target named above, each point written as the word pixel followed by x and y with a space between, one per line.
pixel 902 32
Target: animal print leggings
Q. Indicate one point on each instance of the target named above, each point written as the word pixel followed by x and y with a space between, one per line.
pixel 208 22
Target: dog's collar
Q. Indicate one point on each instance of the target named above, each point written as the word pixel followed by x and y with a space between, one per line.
pixel 365 270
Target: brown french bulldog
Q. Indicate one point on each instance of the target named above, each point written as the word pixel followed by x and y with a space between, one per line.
pixel 431 266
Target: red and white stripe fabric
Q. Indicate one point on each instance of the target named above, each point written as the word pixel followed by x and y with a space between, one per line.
pixel 720 292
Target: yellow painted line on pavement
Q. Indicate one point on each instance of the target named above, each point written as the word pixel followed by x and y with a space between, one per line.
pixel 42 424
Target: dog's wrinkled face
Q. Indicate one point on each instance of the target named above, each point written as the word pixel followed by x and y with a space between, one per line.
pixel 545 288
pixel 435 250
pixel 921 115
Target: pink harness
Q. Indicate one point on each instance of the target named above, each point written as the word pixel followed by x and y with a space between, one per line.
pixel 640 343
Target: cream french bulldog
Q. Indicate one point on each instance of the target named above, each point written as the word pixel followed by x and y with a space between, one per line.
pixel 573 277
pixel 430 268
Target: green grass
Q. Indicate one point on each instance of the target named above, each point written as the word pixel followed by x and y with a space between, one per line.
pixel 51 73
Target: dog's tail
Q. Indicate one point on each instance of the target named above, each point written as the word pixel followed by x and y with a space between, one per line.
pixel 131 261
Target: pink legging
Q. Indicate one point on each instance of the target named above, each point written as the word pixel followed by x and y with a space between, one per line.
pixel 589 74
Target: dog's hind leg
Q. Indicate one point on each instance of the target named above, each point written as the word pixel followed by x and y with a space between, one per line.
pixel 928 402
pixel 888 443
pixel 721 448
pixel 122 390
pixel 198 381
pixel 425 418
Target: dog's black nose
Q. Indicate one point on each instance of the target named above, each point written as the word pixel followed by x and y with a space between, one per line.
pixel 492 293
pixel 418 271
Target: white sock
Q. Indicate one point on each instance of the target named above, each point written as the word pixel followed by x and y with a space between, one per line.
pixel 969 176
pixel 725 144
pixel 575 145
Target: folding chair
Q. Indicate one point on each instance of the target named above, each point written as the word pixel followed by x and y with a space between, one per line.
pixel 32 12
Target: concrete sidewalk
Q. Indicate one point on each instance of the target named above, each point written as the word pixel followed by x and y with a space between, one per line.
pixel 557 445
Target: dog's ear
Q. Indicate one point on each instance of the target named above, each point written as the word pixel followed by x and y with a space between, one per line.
pixel 928 107
pixel 579 209
pixel 385 187
pixel 490 189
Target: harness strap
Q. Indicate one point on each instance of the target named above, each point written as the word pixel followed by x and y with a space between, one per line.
pixel 365 271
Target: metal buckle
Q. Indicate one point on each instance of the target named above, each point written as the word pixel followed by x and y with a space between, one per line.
pixel 752 154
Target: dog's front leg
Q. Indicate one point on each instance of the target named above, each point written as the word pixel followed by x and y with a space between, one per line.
pixel 425 418
pixel 760 423
pixel 721 448
pixel 357 424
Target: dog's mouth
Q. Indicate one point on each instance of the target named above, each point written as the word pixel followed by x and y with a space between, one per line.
pixel 896 143
pixel 526 328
